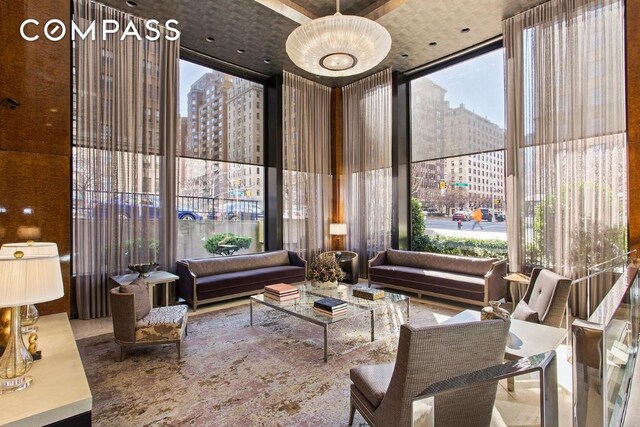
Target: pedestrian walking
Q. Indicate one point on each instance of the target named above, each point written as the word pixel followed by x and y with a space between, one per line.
pixel 477 219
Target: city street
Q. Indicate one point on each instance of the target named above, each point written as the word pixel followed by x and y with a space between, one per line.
pixel 446 227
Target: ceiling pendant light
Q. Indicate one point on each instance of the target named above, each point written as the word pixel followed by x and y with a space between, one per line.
pixel 338 45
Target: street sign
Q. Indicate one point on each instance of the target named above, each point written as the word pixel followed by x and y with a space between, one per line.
pixel 461 184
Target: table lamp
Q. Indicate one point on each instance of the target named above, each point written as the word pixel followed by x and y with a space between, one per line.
pixel 338 229
pixel 29 313
pixel 24 279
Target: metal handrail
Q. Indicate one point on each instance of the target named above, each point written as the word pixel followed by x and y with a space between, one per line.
pixel 591 275
pixel 626 254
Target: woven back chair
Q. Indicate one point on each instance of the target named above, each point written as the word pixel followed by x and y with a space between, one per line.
pixel 383 393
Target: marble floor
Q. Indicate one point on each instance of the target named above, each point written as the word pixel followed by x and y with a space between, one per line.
pixel 517 409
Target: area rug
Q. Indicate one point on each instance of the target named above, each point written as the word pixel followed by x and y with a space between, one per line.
pixel 232 374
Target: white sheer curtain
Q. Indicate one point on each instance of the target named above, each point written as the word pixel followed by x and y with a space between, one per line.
pixel 566 156
pixel 306 165
pixel 124 149
pixel 367 185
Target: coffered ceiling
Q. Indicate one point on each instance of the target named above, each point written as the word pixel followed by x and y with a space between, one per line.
pixel 260 27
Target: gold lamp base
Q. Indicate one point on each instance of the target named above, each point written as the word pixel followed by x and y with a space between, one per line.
pixel 15 384
pixel 16 360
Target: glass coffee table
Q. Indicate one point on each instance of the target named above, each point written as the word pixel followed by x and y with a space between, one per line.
pixel 302 307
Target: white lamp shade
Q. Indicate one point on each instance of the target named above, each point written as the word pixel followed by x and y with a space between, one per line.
pixel 29 248
pixel 31 279
pixel 338 229
pixel 338 45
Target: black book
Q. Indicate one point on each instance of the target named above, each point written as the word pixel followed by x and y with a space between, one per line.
pixel 330 304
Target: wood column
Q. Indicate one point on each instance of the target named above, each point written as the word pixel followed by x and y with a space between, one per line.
pixel 35 136
pixel 633 120
pixel 337 164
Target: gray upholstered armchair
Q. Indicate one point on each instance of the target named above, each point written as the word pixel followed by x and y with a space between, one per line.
pixel 546 297
pixel 383 394
pixel 161 325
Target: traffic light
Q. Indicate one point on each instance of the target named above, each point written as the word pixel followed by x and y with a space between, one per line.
pixel 442 185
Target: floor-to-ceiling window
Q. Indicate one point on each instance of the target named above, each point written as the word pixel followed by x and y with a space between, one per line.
pixel 457 157
pixel 220 179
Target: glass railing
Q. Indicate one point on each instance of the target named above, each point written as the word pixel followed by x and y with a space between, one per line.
pixel 604 350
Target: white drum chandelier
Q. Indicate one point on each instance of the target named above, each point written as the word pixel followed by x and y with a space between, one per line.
pixel 338 45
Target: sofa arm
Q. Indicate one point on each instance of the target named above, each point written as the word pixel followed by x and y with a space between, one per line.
pixel 379 259
pixel 294 259
pixel 494 282
pixel 186 283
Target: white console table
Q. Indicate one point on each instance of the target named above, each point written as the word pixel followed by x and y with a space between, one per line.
pixel 59 392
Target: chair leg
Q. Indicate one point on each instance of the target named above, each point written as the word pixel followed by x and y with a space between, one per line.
pixel 352 412
pixel 123 351
pixel 186 329
pixel 178 347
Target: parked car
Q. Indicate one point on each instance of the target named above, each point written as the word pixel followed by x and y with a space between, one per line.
pixel 500 216
pixel 139 206
pixel 236 210
pixel 460 216
pixel 486 214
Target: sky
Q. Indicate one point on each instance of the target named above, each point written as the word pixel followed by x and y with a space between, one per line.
pixel 189 73
pixel 478 83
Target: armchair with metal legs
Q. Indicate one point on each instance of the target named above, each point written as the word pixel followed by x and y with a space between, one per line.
pixel 383 394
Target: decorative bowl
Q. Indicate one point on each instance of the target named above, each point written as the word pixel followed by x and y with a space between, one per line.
pixel 143 269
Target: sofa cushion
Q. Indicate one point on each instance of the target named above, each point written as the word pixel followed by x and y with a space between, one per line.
pixel 431 261
pixel 543 290
pixel 140 291
pixel 219 265
pixel 526 313
pixel 372 381
pixel 247 277
pixel 418 275
pixel 162 323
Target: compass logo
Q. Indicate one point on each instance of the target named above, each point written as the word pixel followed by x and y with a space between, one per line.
pixel 55 30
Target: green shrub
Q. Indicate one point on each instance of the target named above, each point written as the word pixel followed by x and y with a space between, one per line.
pixel 482 248
pixel 212 245
pixel 418 240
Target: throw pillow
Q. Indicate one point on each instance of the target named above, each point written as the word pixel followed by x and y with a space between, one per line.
pixel 141 296
pixel 526 313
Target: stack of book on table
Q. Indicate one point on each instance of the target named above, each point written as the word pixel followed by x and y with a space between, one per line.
pixel 281 292
pixel 330 306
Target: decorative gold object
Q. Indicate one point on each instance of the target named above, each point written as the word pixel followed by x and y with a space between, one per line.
pixel 33 343
pixel 494 311
pixel 5 327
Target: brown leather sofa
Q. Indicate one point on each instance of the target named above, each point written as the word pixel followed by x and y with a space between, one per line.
pixel 465 279
pixel 210 279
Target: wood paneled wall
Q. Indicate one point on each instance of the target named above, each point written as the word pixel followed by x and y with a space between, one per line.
pixel 633 119
pixel 337 164
pixel 35 137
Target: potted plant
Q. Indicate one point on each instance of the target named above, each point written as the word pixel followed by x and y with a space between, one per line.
pixel 226 243
pixel 324 271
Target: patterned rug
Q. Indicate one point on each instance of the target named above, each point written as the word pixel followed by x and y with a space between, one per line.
pixel 232 374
